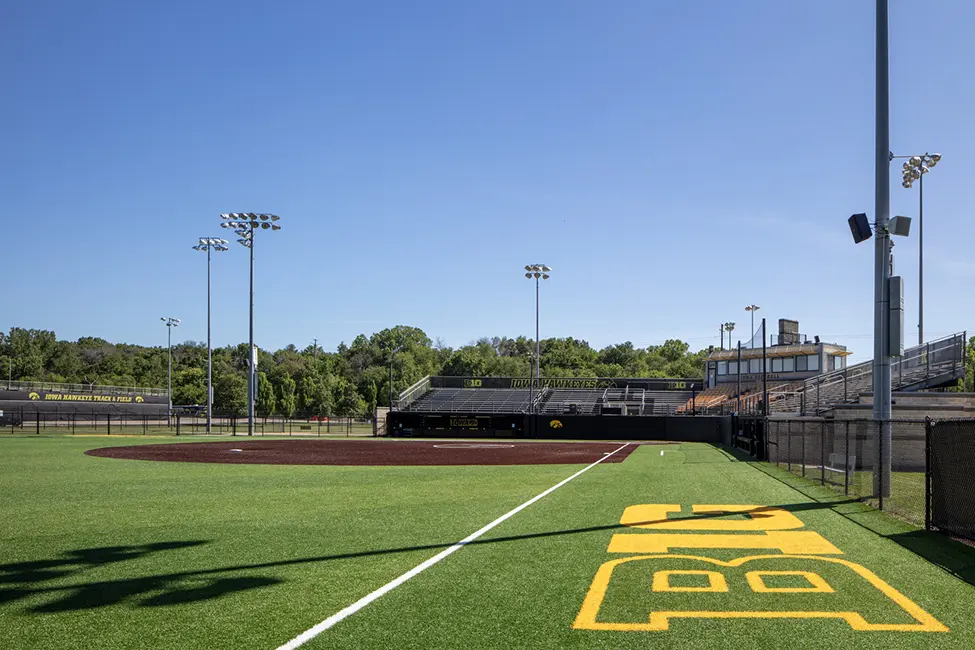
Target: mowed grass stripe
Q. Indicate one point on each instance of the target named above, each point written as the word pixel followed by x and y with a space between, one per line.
pixel 522 586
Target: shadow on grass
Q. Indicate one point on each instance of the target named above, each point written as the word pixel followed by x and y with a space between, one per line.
pixel 206 584
pixel 951 555
pixel 21 580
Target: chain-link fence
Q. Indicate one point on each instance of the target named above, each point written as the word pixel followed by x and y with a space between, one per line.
pixel 951 479
pixel 844 455
pixel 96 422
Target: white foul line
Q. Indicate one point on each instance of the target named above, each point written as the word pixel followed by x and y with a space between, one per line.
pixel 311 633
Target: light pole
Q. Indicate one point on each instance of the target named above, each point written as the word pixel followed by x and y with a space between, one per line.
pixel 729 327
pixel 753 309
pixel 914 170
pixel 207 244
pixel 170 324
pixel 245 225
pixel 392 355
pixel 539 272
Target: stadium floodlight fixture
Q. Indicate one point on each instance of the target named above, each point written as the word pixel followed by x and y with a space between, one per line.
pixel 914 170
pixel 538 272
pixel 244 225
pixel 729 327
pixel 209 244
pixel 170 324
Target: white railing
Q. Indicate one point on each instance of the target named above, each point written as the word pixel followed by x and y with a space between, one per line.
pixel 413 393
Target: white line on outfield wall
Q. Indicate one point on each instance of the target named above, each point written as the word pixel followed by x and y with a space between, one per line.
pixel 341 615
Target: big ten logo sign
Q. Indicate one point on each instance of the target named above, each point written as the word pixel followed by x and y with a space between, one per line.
pixel 759 565
pixel 473 383
pixel 677 385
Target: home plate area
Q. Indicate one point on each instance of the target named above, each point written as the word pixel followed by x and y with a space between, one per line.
pixel 372 452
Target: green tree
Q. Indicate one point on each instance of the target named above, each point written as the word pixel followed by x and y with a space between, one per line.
pixel 265 396
pixel 230 394
pixel 189 386
pixel 287 397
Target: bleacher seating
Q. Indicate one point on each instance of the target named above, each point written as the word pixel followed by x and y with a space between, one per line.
pixel 550 401
pixel 473 400
pixel 562 401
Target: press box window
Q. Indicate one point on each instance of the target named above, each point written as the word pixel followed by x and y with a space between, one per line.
pixel 776 365
pixel 812 362
pixel 732 367
pixel 754 365
pixel 789 364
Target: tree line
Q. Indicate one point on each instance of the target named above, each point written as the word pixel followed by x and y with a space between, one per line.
pixel 349 382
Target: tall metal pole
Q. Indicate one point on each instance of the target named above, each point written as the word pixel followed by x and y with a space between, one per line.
pixel 753 328
pixel 881 333
pixel 538 375
pixel 721 332
pixel 764 372
pixel 169 373
pixel 390 382
pixel 209 355
pixel 739 378
pixel 250 350
pixel 920 258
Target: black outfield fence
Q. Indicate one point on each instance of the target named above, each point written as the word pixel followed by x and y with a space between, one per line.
pixel 97 421
pixel 932 480
pixel 951 479
pixel 560 427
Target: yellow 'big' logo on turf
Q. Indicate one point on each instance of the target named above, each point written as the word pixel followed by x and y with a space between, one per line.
pixel 790 577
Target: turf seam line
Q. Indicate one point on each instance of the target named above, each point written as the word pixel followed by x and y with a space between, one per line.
pixel 339 616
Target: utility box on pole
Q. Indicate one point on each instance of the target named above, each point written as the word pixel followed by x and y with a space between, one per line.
pixel 896 319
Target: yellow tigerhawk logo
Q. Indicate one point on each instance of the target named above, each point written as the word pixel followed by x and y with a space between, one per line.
pixel 33 395
pixel 138 399
pixel 555 424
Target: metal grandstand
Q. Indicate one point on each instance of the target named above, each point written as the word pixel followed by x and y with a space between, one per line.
pixel 934 364
pixel 571 396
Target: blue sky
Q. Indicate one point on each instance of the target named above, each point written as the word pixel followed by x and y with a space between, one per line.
pixel 672 161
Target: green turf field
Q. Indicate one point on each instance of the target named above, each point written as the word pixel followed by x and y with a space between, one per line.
pixel 106 553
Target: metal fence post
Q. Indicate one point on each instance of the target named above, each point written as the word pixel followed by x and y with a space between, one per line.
pixel 803 449
pixel 789 446
pixel 108 419
pixel 178 418
pixel 37 423
pixel 928 426
pixel 878 467
pixel 822 453
pixel 846 464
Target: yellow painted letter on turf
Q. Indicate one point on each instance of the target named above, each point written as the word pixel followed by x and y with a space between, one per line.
pixel 716 581
pixel 654 516
pixel 896 612
pixel 793 542
pixel 817 584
